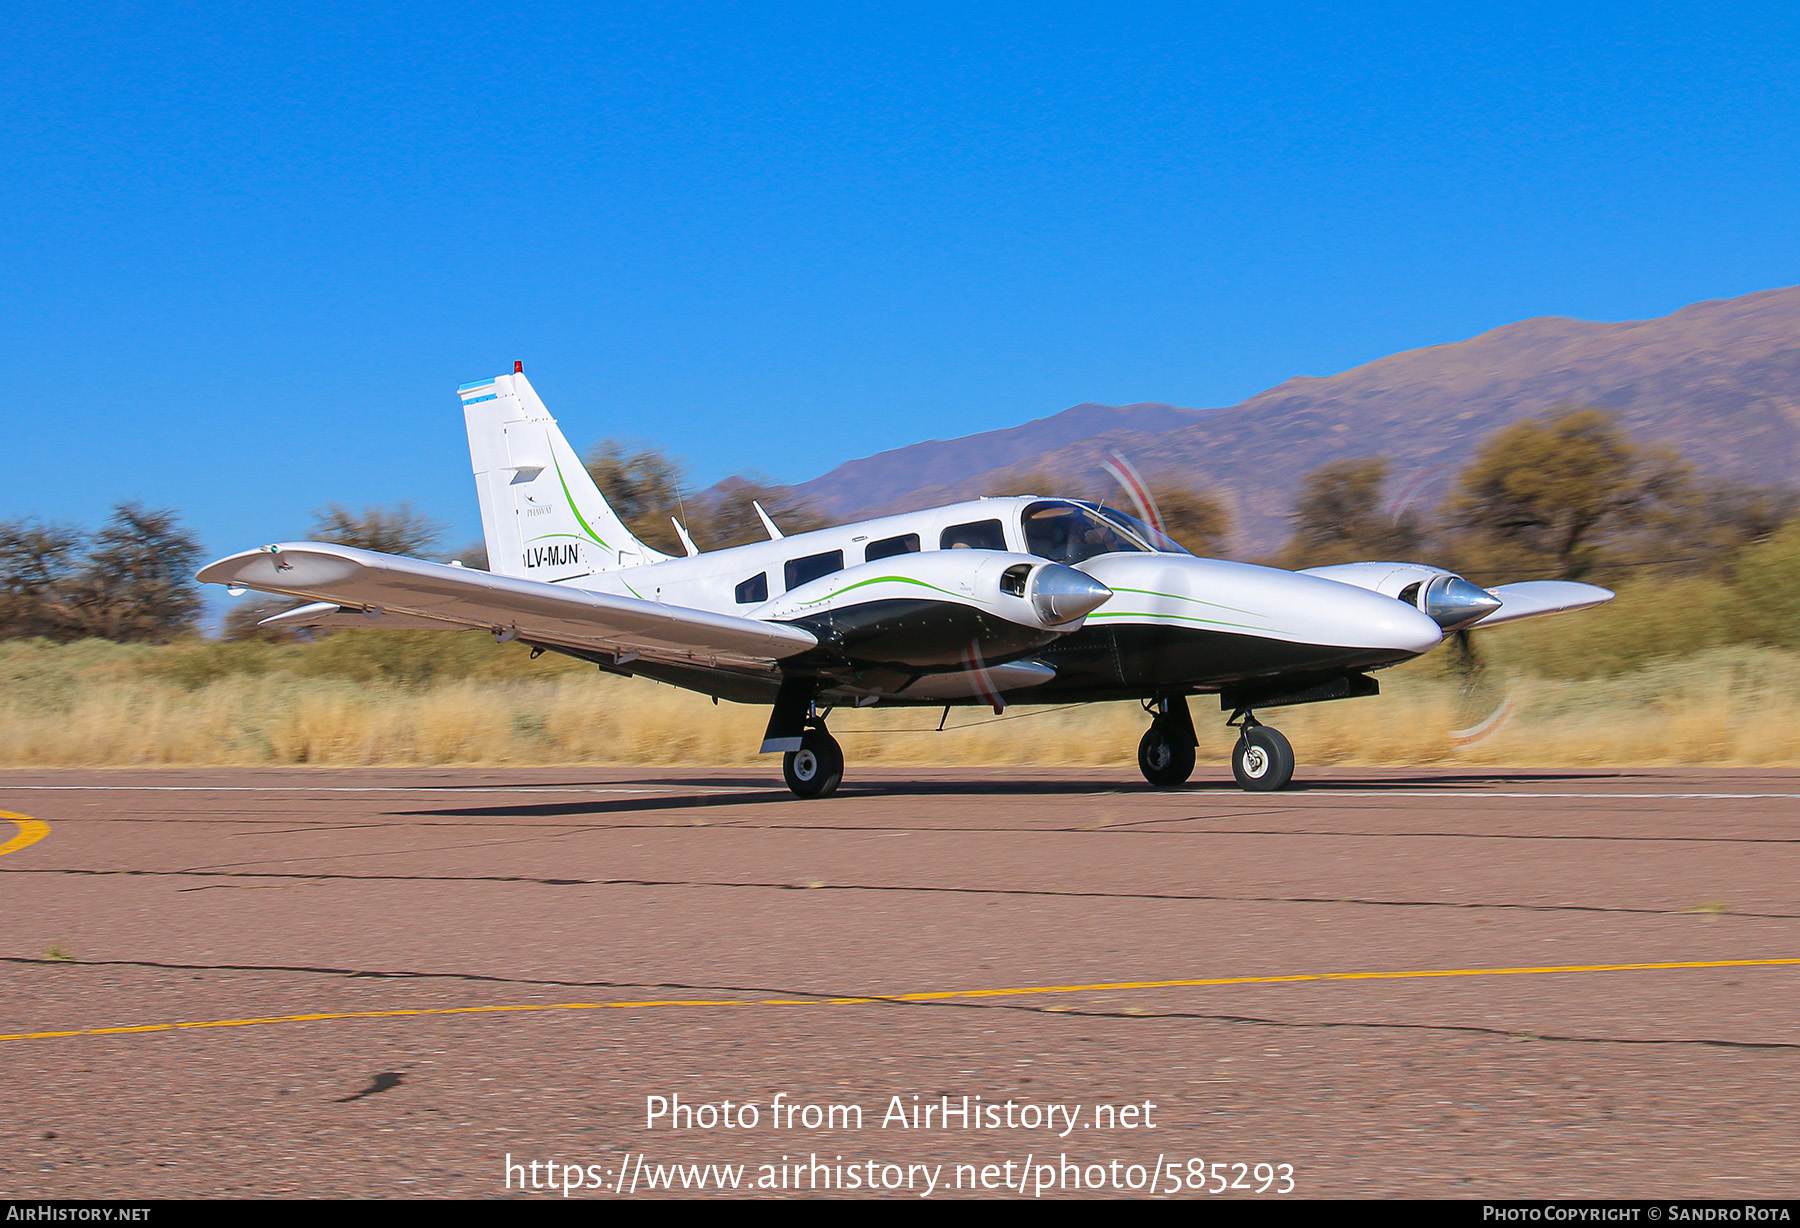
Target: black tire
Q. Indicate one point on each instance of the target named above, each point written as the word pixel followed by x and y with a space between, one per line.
pixel 1164 761
pixel 816 769
pixel 1262 760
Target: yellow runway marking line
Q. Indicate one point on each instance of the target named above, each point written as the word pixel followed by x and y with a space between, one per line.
pixel 932 996
pixel 30 832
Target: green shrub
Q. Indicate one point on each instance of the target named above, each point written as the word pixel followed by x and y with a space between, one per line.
pixel 1767 580
pixel 421 657
pixel 1650 620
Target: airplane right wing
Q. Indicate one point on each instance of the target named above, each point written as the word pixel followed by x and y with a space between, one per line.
pixel 1530 598
pixel 1423 586
pixel 413 593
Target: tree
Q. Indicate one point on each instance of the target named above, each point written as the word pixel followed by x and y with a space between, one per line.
pixel 400 529
pixel 642 484
pixel 240 621
pixel 1552 494
pixel 1710 527
pixel 1194 517
pixel 38 568
pixel 727 518
pixel 1037 482
pixel 1198 520
pixel 138 581
pixel 1339 517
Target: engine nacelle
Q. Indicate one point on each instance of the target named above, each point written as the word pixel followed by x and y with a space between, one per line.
pixel 1442 596
pixel 941 607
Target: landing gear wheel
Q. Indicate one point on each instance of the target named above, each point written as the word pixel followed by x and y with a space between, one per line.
pixel 816 768
pixel 1262 760
pixel 1165 761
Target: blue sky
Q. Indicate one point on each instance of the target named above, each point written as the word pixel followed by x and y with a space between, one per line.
pixel 248 255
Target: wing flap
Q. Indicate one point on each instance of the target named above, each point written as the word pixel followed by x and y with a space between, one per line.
pixel 449 597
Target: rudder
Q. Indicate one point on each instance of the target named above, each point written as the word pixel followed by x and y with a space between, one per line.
pixel 542 515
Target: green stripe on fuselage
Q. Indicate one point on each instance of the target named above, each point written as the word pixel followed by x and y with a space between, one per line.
pixel 1150 592
pixel 849 588
pixel 1186 618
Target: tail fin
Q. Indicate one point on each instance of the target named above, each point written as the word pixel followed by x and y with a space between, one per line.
pixel 543 517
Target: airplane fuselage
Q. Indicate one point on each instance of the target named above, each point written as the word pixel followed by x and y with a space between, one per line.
pixel 892 632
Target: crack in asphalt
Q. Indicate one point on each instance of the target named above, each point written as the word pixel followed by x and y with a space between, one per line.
pixel 1134 1014
pixel 1037 892
pixel 547 834
pixel 407 974
pixel 1125 828
pixel 1346 1024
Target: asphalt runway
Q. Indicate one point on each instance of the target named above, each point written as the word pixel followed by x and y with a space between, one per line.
pixel 389 982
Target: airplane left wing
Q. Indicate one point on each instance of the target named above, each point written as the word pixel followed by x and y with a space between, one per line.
pixel 410 592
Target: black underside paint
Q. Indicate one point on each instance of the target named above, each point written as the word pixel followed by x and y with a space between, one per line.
pixel 1125 661
pixel 921 637
pixel 885 643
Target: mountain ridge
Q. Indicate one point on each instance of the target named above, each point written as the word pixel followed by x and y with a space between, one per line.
pixel 1719 380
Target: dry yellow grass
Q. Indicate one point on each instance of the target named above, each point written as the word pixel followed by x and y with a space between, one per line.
pixel 1728 706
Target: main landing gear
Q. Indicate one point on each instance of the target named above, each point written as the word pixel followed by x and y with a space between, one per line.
pixel 1166 752
pixel 816 769
pixel 811 760
pixel 1262 760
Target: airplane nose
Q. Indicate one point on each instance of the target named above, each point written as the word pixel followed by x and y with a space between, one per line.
pixel 1060 594
pixel 1452 602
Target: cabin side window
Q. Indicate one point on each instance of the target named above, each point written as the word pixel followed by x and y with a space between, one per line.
pixel 755 590
pixel 800 571
pixel 976 535
pixel 888 547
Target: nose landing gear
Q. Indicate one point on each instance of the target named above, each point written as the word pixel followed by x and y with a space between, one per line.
pixel 1262 760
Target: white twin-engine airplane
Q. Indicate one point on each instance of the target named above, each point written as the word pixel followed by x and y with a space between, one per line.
pixel 1026 599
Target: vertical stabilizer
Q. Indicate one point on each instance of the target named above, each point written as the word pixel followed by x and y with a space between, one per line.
pixel 543 517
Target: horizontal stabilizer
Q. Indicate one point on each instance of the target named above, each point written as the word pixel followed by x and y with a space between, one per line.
pixel 1530 598
pixel 450 597
pixel 331 614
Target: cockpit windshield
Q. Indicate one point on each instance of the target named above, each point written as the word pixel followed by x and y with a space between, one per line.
pixel 1071 533
pixel 1156 539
